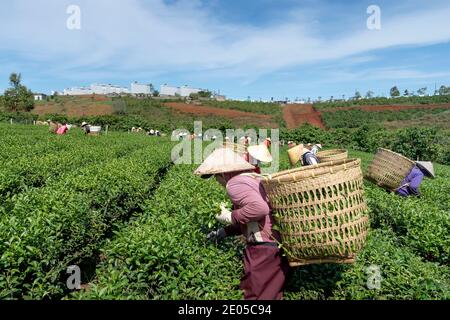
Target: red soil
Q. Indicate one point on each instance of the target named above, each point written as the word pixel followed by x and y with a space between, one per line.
pixel 74 109
pixel 202 110
pixel 238 117
pixel 298 114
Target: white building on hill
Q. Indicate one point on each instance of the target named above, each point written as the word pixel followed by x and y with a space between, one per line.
pixel 39 96
pixel 103 89
pixel 108 89
pixel 77 91
pixel 137 88
pixel 184 91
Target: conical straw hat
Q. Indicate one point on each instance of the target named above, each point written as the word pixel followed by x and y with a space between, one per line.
pixel 295 154
pixel 221 161
pixel 427 167
pixel 260 152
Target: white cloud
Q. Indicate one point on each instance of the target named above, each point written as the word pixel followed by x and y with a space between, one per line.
pixel 183 37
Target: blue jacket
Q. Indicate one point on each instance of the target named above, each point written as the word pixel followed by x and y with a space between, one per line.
pixel 410 186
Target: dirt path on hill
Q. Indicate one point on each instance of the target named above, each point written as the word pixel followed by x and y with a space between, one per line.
pixel 297 114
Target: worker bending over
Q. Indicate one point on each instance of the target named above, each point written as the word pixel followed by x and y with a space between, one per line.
pixel 264 266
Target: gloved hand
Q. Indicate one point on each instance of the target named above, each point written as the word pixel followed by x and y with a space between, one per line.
pixel 225 215
pixel 216 235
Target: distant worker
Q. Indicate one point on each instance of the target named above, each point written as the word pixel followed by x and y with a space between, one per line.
pixel 291 144
pixel 410 185
pixel 309 157
pixel 258 154
pixel 62 130
pixel 53 127
pixel 86 128
pixel 300 152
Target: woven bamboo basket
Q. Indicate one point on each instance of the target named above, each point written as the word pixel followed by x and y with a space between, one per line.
pixel 320 211
pixel 388 169
pixel 332 155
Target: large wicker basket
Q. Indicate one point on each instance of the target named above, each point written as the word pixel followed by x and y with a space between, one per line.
pixel 332 155
pixel 320 211
pixel 388 169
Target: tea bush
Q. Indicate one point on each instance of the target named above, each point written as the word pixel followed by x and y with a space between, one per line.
pixel 47 229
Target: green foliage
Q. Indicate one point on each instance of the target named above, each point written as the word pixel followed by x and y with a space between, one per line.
pixel 357 118
pixel 395 92
pixel 18 117
pixel 422 224
pixel 163 254
pixel 305 134
pixel 47 229
pixel 444 90
pixel 114 204
pixel 205 94
pixel 410 100
pixel 404 276
pixel 272 109
pixel 417 143
pixel 424 143
pixel 18 97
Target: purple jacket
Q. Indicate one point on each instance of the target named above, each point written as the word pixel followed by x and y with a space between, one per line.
pixel 410 186
pixel 252 214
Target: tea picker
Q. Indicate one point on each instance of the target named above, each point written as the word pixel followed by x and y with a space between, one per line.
pixel 264 266
pixel 258 154
pixel 86 128
pixel 410 185
pixel 396 173
pixel 308 157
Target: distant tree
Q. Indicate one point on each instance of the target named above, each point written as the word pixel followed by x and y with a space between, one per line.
pixel 331 99
pixel 309 100
pixel 194 96
pixel 422 91
pixel 357 95
pixel 395 92
pixel 205 94
pixel 443 90
pixel 369 94
pixel 15 79
pixel 249 98
pixel 343 97
pixel 156 93
pixel 18 97
pixel 152 88
pixel 406 93
pixel 319 98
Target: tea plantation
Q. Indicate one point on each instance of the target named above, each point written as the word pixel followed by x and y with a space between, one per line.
pixel 136 224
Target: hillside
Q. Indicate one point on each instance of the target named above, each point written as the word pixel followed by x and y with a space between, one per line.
pixel 176 113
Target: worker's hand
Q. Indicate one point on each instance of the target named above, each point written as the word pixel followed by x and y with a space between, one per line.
pixel 225 215
pixel 216 236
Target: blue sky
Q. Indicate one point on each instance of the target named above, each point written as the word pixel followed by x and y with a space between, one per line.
pixel 260 48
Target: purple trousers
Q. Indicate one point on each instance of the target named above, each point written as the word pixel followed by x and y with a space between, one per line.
pixel 265 271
